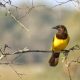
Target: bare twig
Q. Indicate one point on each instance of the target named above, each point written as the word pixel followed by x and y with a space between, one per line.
pixel 8 11
pixel 18 21
pixel 2 5
pixel 61 3
pixel 70 78
pixel 68 64
pixel 18 74
pixel 32 3
pixel 9 63
pixel 76 47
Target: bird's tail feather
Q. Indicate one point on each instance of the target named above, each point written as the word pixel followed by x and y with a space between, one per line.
pixel 54 59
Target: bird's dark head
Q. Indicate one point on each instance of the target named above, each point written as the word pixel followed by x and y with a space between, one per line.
pixel 60 28
pixel 62 31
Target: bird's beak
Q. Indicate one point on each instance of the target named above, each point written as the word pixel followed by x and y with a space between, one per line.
pixel 54 28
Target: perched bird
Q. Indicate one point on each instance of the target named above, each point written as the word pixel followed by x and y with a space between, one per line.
pixel 59 43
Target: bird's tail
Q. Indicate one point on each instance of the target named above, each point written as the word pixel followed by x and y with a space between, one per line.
pixel 54 59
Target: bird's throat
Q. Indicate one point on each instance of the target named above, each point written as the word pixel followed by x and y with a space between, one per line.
pixel 61 35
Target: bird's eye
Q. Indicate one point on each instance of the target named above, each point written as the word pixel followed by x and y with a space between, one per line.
pixel 60 29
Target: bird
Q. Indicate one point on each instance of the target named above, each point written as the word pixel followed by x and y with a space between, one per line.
pixel 59 43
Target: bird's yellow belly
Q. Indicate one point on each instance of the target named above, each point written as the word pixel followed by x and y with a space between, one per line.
pixel 59 44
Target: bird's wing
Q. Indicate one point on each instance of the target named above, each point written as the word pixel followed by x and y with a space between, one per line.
pixel 52 43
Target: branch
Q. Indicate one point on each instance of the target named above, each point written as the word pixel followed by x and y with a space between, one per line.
pixel 68 64
pixel 61 3
pixel 2 5
pixel 70 78
pixel 8 11
pixel 9 63
pixel 25 50
pixel 18 74
pixel 17 21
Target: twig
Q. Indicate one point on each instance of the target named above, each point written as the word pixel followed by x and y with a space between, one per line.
pixel 9 63
pixel 3 52
pixel 32 3
pixel 76 47
pixel 68 64
pixel 2 5
pixel 70 78
pixel 18 21
pixel 8 11
pixel 18 74
pixel 61 3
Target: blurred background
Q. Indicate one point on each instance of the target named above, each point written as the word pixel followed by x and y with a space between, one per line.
pixel 39 16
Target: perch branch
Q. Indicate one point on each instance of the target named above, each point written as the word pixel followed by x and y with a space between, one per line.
pixel 76 47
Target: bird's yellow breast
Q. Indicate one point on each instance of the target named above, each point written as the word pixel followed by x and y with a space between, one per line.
pixel 59 44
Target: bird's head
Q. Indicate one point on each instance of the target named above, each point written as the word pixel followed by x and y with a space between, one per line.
pixel 60 28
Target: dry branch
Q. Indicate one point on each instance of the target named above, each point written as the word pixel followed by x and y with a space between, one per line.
pixel 13 17
pixel 62 3
pixel 24 27
pixel 76 47
pixel 25 50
